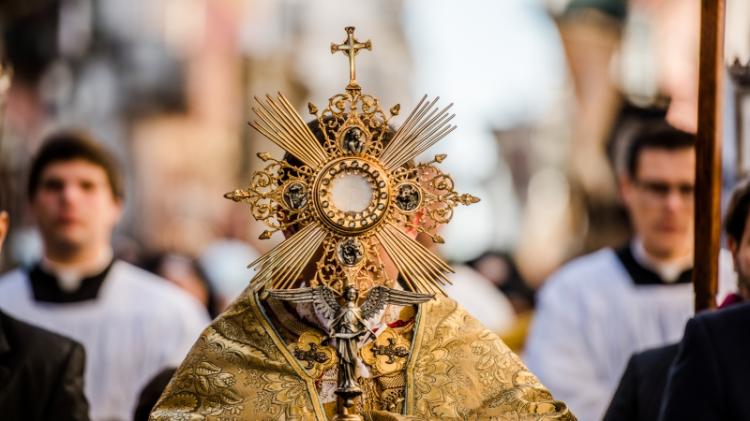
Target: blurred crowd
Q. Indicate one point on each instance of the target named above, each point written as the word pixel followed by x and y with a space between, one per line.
pixel 122 124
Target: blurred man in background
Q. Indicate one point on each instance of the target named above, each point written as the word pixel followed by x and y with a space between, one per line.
pixel 186 273
pixel 709 377
pixel 131 323
pixel 599 309
pixel 641 389
pixel 41 373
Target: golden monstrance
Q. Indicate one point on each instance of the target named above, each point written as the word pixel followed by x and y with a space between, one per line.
pixel 348 189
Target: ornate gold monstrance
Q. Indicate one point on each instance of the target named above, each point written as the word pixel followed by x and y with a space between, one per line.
pixel 347 190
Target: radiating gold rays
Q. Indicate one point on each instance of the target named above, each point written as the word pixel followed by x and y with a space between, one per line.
pixel 281 268
pixel 283 265
pixel 422 270
pixel 283 125
pixel 424 127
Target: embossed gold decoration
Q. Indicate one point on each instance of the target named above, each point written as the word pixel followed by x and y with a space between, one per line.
pixel 315 358
pixel 352 193
pixel 388 353
pixel 347 323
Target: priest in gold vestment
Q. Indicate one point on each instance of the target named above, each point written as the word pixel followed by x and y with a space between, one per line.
pixel 347 319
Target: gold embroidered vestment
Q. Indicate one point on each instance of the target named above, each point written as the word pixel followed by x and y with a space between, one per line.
pixel 243 367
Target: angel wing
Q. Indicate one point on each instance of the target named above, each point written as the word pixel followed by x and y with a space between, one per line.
pixel 321 297
pixel 380 296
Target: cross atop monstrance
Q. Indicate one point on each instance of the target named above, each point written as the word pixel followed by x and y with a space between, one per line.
pixel 351 47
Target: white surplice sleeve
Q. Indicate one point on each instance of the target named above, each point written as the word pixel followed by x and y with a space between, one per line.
pixel 558 352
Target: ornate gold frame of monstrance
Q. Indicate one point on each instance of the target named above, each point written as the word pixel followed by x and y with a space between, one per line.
pixel 341 200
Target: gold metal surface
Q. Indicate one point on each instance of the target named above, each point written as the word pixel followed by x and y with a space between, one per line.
pixel 351 47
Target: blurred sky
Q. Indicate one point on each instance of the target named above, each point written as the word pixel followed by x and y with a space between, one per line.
pixel 502 65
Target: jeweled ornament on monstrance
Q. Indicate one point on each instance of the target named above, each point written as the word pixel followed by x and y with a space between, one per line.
pixel 347 189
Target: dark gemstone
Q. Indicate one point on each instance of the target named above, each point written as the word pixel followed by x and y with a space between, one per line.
pixel 408 197
pixel 353 142
pixel 295 196
pixel 350 251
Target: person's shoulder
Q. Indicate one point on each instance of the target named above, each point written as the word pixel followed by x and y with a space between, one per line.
pixel 658 353
pixel 445 312
pixel 733 318
pixel 32 341
pixel 443 303
pixel 655 359
pixel 12 279
pixel 445 324
pixel 588 264
pixel 14 289
pixel 583 270
pixel 153 290
pixel 146 283
pixel 17 273
pixel 481 298
pixel 724 331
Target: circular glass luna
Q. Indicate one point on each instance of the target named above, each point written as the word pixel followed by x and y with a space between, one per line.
pixel 351 192
pixel 351 195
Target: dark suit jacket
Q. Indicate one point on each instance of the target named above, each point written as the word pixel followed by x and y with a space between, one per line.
pixel 638 396
pixel 710 378
pixel 151 393
pixel 41 374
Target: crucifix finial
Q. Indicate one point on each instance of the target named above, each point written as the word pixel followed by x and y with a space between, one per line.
pixel 351 47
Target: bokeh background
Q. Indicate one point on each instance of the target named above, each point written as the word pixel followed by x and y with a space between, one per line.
pixel 545 94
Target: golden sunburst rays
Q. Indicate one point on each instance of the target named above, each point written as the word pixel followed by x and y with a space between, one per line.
pixel 282 124
pixel 309 202
pixel 283 265
pixel 424 127
pixel 421 269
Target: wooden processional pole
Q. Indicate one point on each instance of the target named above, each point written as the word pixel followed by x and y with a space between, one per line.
pixel 708 149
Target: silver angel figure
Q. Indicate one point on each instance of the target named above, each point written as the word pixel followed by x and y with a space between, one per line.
pixel 348 321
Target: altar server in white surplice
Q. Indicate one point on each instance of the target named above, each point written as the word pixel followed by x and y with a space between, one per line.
pixel 599 309
pixel 131 323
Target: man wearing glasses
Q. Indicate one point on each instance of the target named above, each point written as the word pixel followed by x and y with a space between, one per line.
pixel 600 308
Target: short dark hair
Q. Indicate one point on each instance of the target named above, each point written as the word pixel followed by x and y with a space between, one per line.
pixel 71 146
pixel 655 136
pixel 735 218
